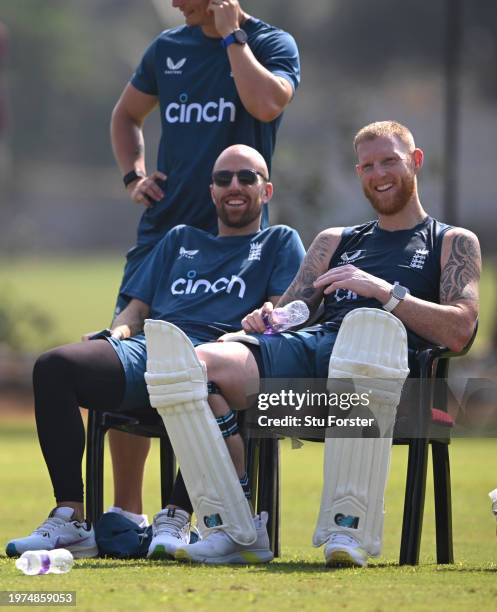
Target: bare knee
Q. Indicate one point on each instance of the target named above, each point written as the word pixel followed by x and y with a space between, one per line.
pixel 229 365
pixel 226 360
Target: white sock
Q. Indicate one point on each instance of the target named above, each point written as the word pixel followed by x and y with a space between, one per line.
pixel 136 518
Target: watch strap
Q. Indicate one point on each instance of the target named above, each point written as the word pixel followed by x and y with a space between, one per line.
pixel 237 36
pixel 131 177
pixel 391 304
pixel 229 40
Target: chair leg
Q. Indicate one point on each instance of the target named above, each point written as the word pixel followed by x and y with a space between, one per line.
pixel 167 470
pixel 268 497
pixel 443 503
pixel 414 502
pixel 95 466
pixel 252 456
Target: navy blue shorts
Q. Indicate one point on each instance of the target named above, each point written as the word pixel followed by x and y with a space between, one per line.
pixel 133 355
pixel 302 354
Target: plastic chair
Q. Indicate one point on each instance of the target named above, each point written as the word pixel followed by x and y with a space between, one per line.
pixel 435 422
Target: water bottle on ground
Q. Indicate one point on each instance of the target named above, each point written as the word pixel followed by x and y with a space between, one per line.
pixel 293 314
pixel 34 562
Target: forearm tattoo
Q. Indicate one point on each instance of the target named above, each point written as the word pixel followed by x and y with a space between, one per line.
pixel 315 263
pixel 140 149
pixel 461 272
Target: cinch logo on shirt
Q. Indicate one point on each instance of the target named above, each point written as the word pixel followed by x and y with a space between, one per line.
pixel 211 112
pixel 189 286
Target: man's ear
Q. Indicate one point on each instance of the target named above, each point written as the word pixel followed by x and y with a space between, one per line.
pixel 211 186
pixel 268 192
pixel 418 157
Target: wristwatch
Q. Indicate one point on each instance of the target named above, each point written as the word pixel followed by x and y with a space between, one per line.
pixel 238 36
pixel 131 177
pixel 397 294
pixel 100 335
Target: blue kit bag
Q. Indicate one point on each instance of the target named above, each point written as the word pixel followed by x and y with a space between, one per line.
pixel 120 538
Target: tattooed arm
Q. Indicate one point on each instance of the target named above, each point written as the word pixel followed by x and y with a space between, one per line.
pixel 450 323
pixel 314 265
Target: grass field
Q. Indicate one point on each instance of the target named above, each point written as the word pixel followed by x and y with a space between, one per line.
pixel 78 295
pixel 297 580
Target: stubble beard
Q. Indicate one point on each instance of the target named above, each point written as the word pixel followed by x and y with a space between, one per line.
pixel 250 214
pixel 397 203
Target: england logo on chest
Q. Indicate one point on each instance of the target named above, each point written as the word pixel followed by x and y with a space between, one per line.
pixel 419 259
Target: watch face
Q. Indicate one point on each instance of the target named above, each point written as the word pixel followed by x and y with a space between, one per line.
pixel 399 292
pixel 240 36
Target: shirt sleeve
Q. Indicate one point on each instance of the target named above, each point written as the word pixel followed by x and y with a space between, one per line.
pixel 145 282
pixel 277 51
pixel 287 262
pixel 144 78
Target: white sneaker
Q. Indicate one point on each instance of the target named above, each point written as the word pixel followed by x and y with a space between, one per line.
pixel 170 529
pixel 343 550
pixel 217 547
pixel 140 519
pixel 60 530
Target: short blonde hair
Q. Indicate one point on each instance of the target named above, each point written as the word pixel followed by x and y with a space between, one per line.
pixel 385 129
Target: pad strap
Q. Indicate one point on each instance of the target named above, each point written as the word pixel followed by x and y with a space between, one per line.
pixel 228 424
pixel 212 388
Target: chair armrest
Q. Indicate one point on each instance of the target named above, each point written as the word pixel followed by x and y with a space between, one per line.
pixel 431 352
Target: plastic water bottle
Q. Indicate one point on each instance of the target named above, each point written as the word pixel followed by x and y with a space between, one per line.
pixel 34 562
pixel 293 314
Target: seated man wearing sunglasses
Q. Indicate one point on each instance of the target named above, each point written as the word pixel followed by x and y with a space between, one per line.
pixel 205 285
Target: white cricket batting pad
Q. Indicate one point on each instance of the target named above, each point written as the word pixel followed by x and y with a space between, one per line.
pixel 370 349
pixel 177 386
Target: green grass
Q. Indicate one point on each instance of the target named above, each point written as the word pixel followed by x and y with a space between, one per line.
pixel 78 295
pixel 298 579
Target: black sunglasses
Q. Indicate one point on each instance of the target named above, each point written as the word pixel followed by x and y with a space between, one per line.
pixel 223 178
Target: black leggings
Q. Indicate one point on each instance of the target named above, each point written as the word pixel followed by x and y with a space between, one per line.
pixel 87 374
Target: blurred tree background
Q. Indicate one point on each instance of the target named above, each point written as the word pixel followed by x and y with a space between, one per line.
pixel 64 63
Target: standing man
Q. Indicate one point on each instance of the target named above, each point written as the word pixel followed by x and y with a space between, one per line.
pixel 223 78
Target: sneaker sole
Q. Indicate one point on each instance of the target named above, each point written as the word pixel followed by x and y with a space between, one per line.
pixel 80 552
pixel 248 557
pixel 77 552
pixel 343 558
pixel 160 552
pixel 11 550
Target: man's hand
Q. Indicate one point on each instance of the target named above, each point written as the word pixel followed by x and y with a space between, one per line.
pixel 351 278
pixel 253 322
pixel 145 190
pixel 119 333
pixel 226 16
